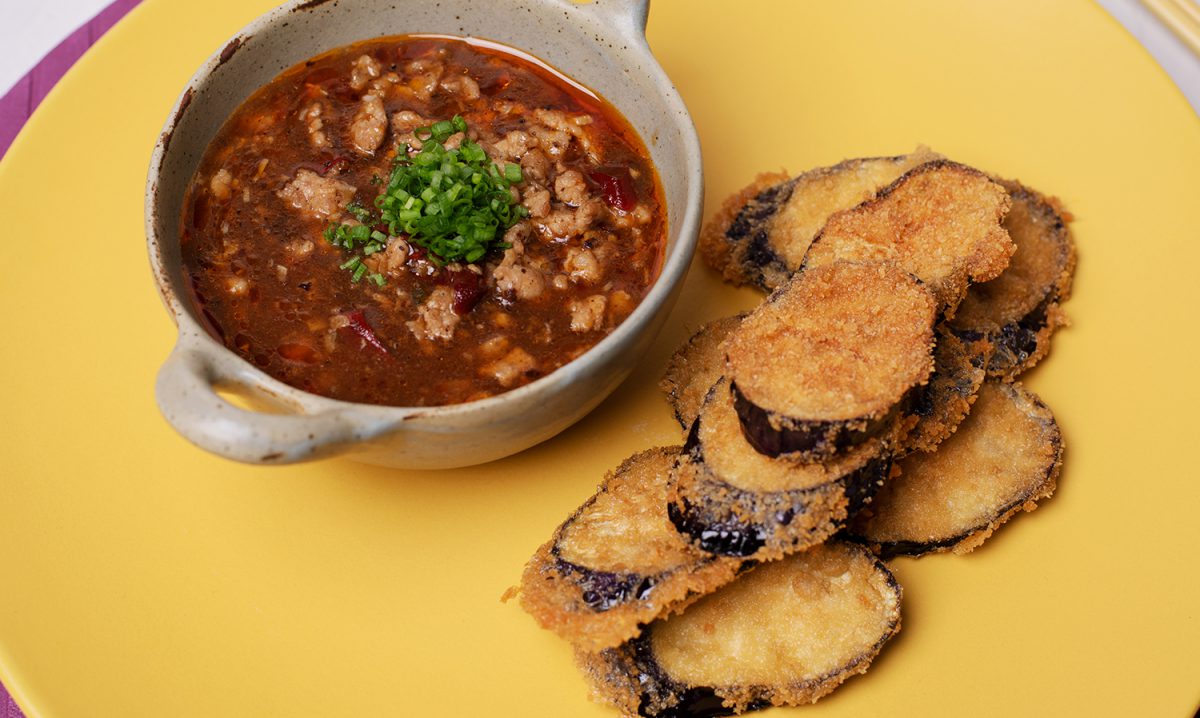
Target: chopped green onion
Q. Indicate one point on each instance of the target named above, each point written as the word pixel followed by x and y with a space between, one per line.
pixel 455 202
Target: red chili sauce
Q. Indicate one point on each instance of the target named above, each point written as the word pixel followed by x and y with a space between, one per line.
pixel 413 330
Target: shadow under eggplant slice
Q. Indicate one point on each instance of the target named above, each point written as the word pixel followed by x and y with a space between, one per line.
pixel 695 367
pixel 787 633
pixel 618 562
pixel 1019 310
pixel 730 500
pixel 760 234
pixel 831 358
pixel 1004 458
pixel 958 372
pixel 940 221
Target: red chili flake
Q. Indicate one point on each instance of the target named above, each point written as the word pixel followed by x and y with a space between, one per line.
pixel 617 186
pixel 468 290
pixel 336 165
pixel 359 327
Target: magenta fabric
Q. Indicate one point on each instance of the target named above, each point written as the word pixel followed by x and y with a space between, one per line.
pixel 19 104
pixel 28 93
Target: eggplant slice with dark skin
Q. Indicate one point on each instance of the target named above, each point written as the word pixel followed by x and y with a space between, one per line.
pixel 695 367
pixel 760 234
pixel 831 358
pixel 940 221
pixel 1019 310
pixel 617 562
pixel 1004 458
pixel 787 633
pixel 959 363
pixel 731 500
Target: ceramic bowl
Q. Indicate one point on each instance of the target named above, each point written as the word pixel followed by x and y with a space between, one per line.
pixel 600 44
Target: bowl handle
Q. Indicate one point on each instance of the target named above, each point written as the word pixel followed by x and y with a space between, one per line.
pixel 628 14
pixel 187 397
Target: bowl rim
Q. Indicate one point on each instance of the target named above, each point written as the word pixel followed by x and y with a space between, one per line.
pixel 680 249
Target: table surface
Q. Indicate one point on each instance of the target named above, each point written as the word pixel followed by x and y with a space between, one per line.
pixel 225 544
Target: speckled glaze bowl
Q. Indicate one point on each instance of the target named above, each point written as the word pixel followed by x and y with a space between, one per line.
pixel 600 44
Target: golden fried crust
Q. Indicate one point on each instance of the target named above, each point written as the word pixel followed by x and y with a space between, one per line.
pixel 841 341
pixel 776 232
pixel 1004 458
pixel 732 500
pixel 725 257
pixel 822 192
pixel 1020 309
pixel 957 375
pixel 736 463
pixel 787 633
pixel 617 562
pixel 695 367
pixel 940 221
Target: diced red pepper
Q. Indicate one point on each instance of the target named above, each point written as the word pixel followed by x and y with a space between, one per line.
pixel 359 327
pixel 617 185
pixel 468 290
pixel 336 165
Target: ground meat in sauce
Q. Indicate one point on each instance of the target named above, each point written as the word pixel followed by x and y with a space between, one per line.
pixel 325 134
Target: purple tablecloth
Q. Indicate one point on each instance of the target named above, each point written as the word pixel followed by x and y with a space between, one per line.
pixel 28 93
pixel 19 104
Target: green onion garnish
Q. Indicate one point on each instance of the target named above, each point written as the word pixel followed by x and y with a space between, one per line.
pixel 453 202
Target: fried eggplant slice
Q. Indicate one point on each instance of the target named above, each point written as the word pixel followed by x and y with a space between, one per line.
pixel 1004 458
pixel 958 371
pixel 617 562
pixel 760 235
pixel 1020 309
pixel 726 240
pixel 831 358
pixel 731 500
pixel 787 633
pixel 696 367
pixel 940 221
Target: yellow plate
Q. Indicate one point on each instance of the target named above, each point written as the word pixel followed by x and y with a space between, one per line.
pixel 142 577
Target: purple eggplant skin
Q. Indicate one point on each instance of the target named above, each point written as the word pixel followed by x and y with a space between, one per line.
pixel 662 696
pixel 1019 342
pixel 891 549
pixel 1001 514
pixel 1022 343
pixel 689 701
pixel 604 590
pixel 761 265
pixel 714 518
pixel 811 440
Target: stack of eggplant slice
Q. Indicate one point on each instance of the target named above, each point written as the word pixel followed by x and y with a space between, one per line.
pixel 867 408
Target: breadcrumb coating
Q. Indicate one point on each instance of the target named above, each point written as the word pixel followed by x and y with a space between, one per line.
pixel 1004 458
pixel 695 367
pixel 617 562
pixel 786 633
pixel 940 221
